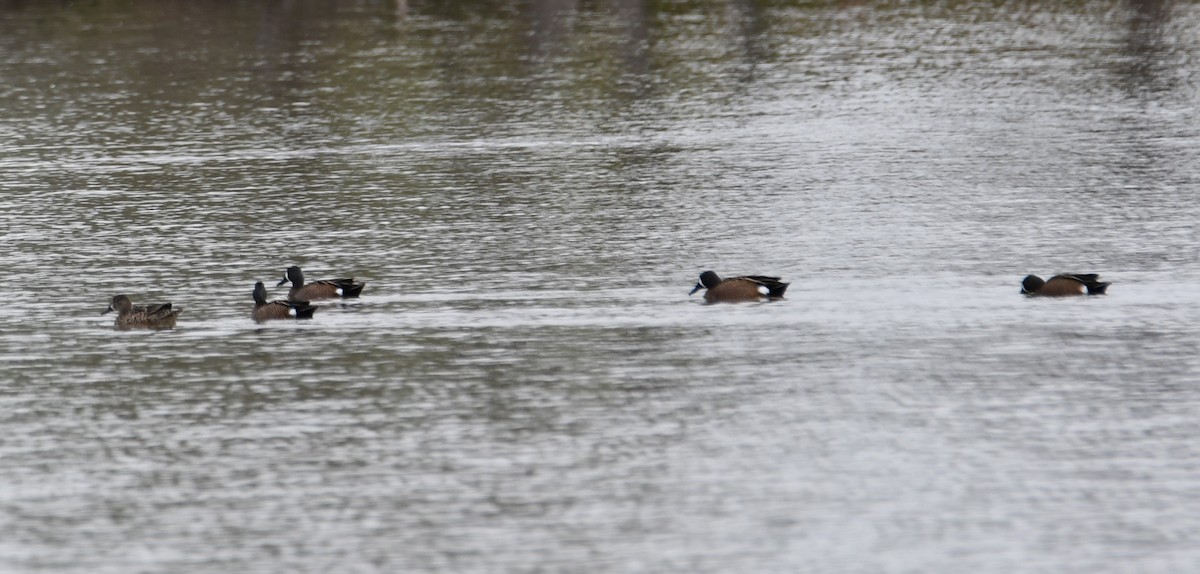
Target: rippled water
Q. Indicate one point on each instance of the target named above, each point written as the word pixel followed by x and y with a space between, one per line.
pixel 529 190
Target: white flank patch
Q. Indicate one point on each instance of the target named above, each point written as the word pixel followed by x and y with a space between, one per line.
pixel 762 290
pixel 291 311
pixel 339 291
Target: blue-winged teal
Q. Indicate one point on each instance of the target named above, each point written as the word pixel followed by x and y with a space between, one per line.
pixel 265 310
pixel 748 288
pixel 130 316
pixel 324 289
pixel 1064 285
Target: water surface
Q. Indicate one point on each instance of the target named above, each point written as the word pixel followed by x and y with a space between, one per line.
pixel 529 190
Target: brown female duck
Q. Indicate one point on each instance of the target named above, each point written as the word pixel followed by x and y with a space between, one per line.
pixel 130 316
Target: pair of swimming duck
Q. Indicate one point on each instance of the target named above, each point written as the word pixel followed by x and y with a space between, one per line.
pixel 296 306
pixel 761 287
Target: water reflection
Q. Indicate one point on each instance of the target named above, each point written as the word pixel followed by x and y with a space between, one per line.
pixel 1148 53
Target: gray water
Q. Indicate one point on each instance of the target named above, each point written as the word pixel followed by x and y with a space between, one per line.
pixel 529 190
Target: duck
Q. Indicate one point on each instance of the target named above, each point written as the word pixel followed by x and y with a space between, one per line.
pixel 1064 285
pixel 130 316
pixel 745 288
pixel 266 310
pixel 323 289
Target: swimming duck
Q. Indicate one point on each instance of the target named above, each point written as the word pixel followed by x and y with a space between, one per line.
pixel 130 316
pixel 746 288
pixel 323 289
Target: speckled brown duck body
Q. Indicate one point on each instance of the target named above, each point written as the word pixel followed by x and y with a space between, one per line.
pixel 267 310
pixel 130 316
pixel 323 289
pixel 734 289
pixel 1064 285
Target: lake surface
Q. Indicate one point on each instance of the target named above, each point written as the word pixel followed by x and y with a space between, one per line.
pixel 529 190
